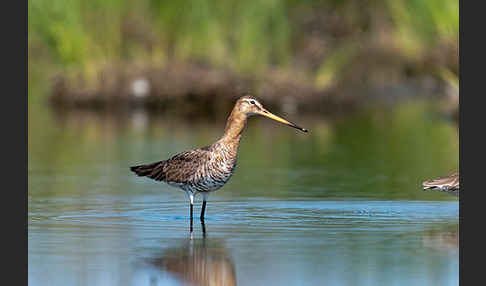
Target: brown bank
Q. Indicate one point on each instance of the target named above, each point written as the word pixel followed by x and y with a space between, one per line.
pixel 198 89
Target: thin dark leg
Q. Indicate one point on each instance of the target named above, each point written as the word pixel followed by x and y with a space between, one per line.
pixel 191 217
pixel 203 228
pixel 203 210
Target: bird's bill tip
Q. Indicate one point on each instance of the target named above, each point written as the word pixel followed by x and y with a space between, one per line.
pixel 270 115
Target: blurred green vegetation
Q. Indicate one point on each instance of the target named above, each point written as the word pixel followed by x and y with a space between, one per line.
pixel 86 33
pixel 318 38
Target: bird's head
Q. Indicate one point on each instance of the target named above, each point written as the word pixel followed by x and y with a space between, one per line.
pixel 250 106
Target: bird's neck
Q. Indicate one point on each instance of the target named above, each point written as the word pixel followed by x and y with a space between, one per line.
pixel 234 126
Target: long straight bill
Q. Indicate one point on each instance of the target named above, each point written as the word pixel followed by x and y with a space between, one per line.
pixel 266 113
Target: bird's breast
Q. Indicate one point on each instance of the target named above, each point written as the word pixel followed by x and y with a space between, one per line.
pixel 216 171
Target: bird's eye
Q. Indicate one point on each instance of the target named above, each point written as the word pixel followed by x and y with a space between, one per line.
pixel 252 102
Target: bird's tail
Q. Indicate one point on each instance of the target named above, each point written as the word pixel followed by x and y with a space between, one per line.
pixel 152 170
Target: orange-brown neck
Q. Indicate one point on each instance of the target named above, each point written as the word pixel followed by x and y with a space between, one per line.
pixel 234 126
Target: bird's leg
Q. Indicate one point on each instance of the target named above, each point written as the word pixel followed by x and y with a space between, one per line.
pixel 191 201
pixel 203 228
pixel 191 218
pixel 203 209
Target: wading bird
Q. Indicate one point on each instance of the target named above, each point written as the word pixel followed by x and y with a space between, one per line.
pixel 448 184
pixel 207 169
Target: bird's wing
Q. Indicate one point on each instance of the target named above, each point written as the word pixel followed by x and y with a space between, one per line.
pixel 178 169
pixel 183 166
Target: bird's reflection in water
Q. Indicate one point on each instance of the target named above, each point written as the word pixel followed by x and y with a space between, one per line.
pixel 197 261
pixel 445 238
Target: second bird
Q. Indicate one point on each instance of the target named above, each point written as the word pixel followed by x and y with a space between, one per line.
pixel 207 169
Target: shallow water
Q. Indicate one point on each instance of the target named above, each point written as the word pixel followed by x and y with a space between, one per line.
pixel 341 205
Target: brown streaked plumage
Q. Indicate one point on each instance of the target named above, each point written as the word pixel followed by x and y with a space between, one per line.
pixel 207 169
pixel 448 184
